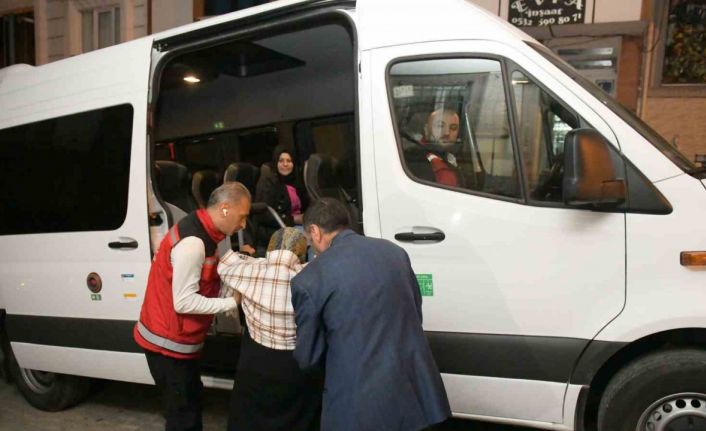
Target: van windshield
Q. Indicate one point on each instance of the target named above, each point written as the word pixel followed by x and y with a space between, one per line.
pixel 628 116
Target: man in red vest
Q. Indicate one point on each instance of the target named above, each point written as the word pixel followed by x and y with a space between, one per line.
pixel 181 299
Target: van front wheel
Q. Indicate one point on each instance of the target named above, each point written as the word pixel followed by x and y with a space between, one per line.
pixel 661 391
pixel 49 391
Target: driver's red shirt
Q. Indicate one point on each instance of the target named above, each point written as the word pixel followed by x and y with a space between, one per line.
pixel 443 173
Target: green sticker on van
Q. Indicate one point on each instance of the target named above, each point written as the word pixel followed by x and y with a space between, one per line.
pixel 426 284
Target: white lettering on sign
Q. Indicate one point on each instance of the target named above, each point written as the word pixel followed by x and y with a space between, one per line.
pixel 527 13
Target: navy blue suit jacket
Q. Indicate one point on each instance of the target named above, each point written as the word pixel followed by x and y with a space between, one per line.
pixel 359 313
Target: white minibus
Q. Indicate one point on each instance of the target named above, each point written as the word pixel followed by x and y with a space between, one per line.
pixel 563 269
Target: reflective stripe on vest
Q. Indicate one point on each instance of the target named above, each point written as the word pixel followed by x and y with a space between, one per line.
pixel 165 343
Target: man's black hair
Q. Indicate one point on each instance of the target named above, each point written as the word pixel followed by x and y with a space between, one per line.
pixel 328 214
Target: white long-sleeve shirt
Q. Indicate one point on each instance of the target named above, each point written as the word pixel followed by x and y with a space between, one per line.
pixel 187 259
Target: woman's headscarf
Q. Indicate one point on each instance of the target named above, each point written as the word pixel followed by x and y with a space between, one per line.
pixel 289 238
pixel 284 179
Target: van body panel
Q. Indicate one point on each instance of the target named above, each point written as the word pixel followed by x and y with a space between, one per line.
pixel 45 275
pixel 525 399
pixel 122 366
pixel 662 294
pixel 366 133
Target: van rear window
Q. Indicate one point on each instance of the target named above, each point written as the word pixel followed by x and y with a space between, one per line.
pixel 66 174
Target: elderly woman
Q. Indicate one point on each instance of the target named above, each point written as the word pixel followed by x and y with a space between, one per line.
pixel 270 392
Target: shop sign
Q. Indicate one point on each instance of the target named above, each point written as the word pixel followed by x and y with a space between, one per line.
pixel 534 13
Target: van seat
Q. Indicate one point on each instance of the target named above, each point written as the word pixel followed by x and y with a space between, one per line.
pixel 203 183
pixel 173 184
pixel 320 177
pixel 244 173
pixel 346 178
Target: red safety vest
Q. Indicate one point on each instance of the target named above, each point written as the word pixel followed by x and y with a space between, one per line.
pixel 160 328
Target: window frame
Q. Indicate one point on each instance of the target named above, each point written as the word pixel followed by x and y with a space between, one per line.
pixel 400 151
pixel 114 10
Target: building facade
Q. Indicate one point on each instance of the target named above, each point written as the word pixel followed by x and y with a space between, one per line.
pixel 649 54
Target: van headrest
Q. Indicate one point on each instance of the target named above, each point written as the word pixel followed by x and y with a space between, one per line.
pixel 203 183
pixel 320 176
pixel 174 184
pixel 264 182
pixel 244 173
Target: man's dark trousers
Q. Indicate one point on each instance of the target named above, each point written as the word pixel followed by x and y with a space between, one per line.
pixel 179 381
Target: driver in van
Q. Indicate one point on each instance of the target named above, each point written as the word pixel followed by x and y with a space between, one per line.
pixel 433 158
pixel 181 299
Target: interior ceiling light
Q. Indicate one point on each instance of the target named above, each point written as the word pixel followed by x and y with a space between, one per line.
pixel 191 79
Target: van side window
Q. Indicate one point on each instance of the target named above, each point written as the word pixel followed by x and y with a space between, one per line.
pixel 66 174
pixel 452 119
pixel 542 125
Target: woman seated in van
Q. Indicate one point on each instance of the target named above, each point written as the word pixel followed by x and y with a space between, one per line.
pixel 283 191
pixel 271 392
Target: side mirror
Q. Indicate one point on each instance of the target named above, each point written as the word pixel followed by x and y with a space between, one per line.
pixel 590 177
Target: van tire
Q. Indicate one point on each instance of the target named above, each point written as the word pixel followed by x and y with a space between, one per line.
pixel 51 392
pixel 4 356
pixel 654 388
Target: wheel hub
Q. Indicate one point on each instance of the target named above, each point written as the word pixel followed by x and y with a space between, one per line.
pixel 39 381
pixel 678 412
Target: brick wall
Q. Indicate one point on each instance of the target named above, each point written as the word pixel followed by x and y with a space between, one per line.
pixel 680 120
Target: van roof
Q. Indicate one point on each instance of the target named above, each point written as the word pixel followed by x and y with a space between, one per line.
pixel 385 22
pixel 379 23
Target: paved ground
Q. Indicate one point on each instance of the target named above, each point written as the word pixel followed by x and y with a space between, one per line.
pixel 131 407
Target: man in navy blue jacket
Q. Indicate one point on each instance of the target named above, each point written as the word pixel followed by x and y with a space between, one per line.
pixel 359 315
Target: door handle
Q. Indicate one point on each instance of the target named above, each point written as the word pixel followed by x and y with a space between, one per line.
pixel 129 244
pixel 411 236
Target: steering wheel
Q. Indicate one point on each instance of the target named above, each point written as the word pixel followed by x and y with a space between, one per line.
pixel 550 181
